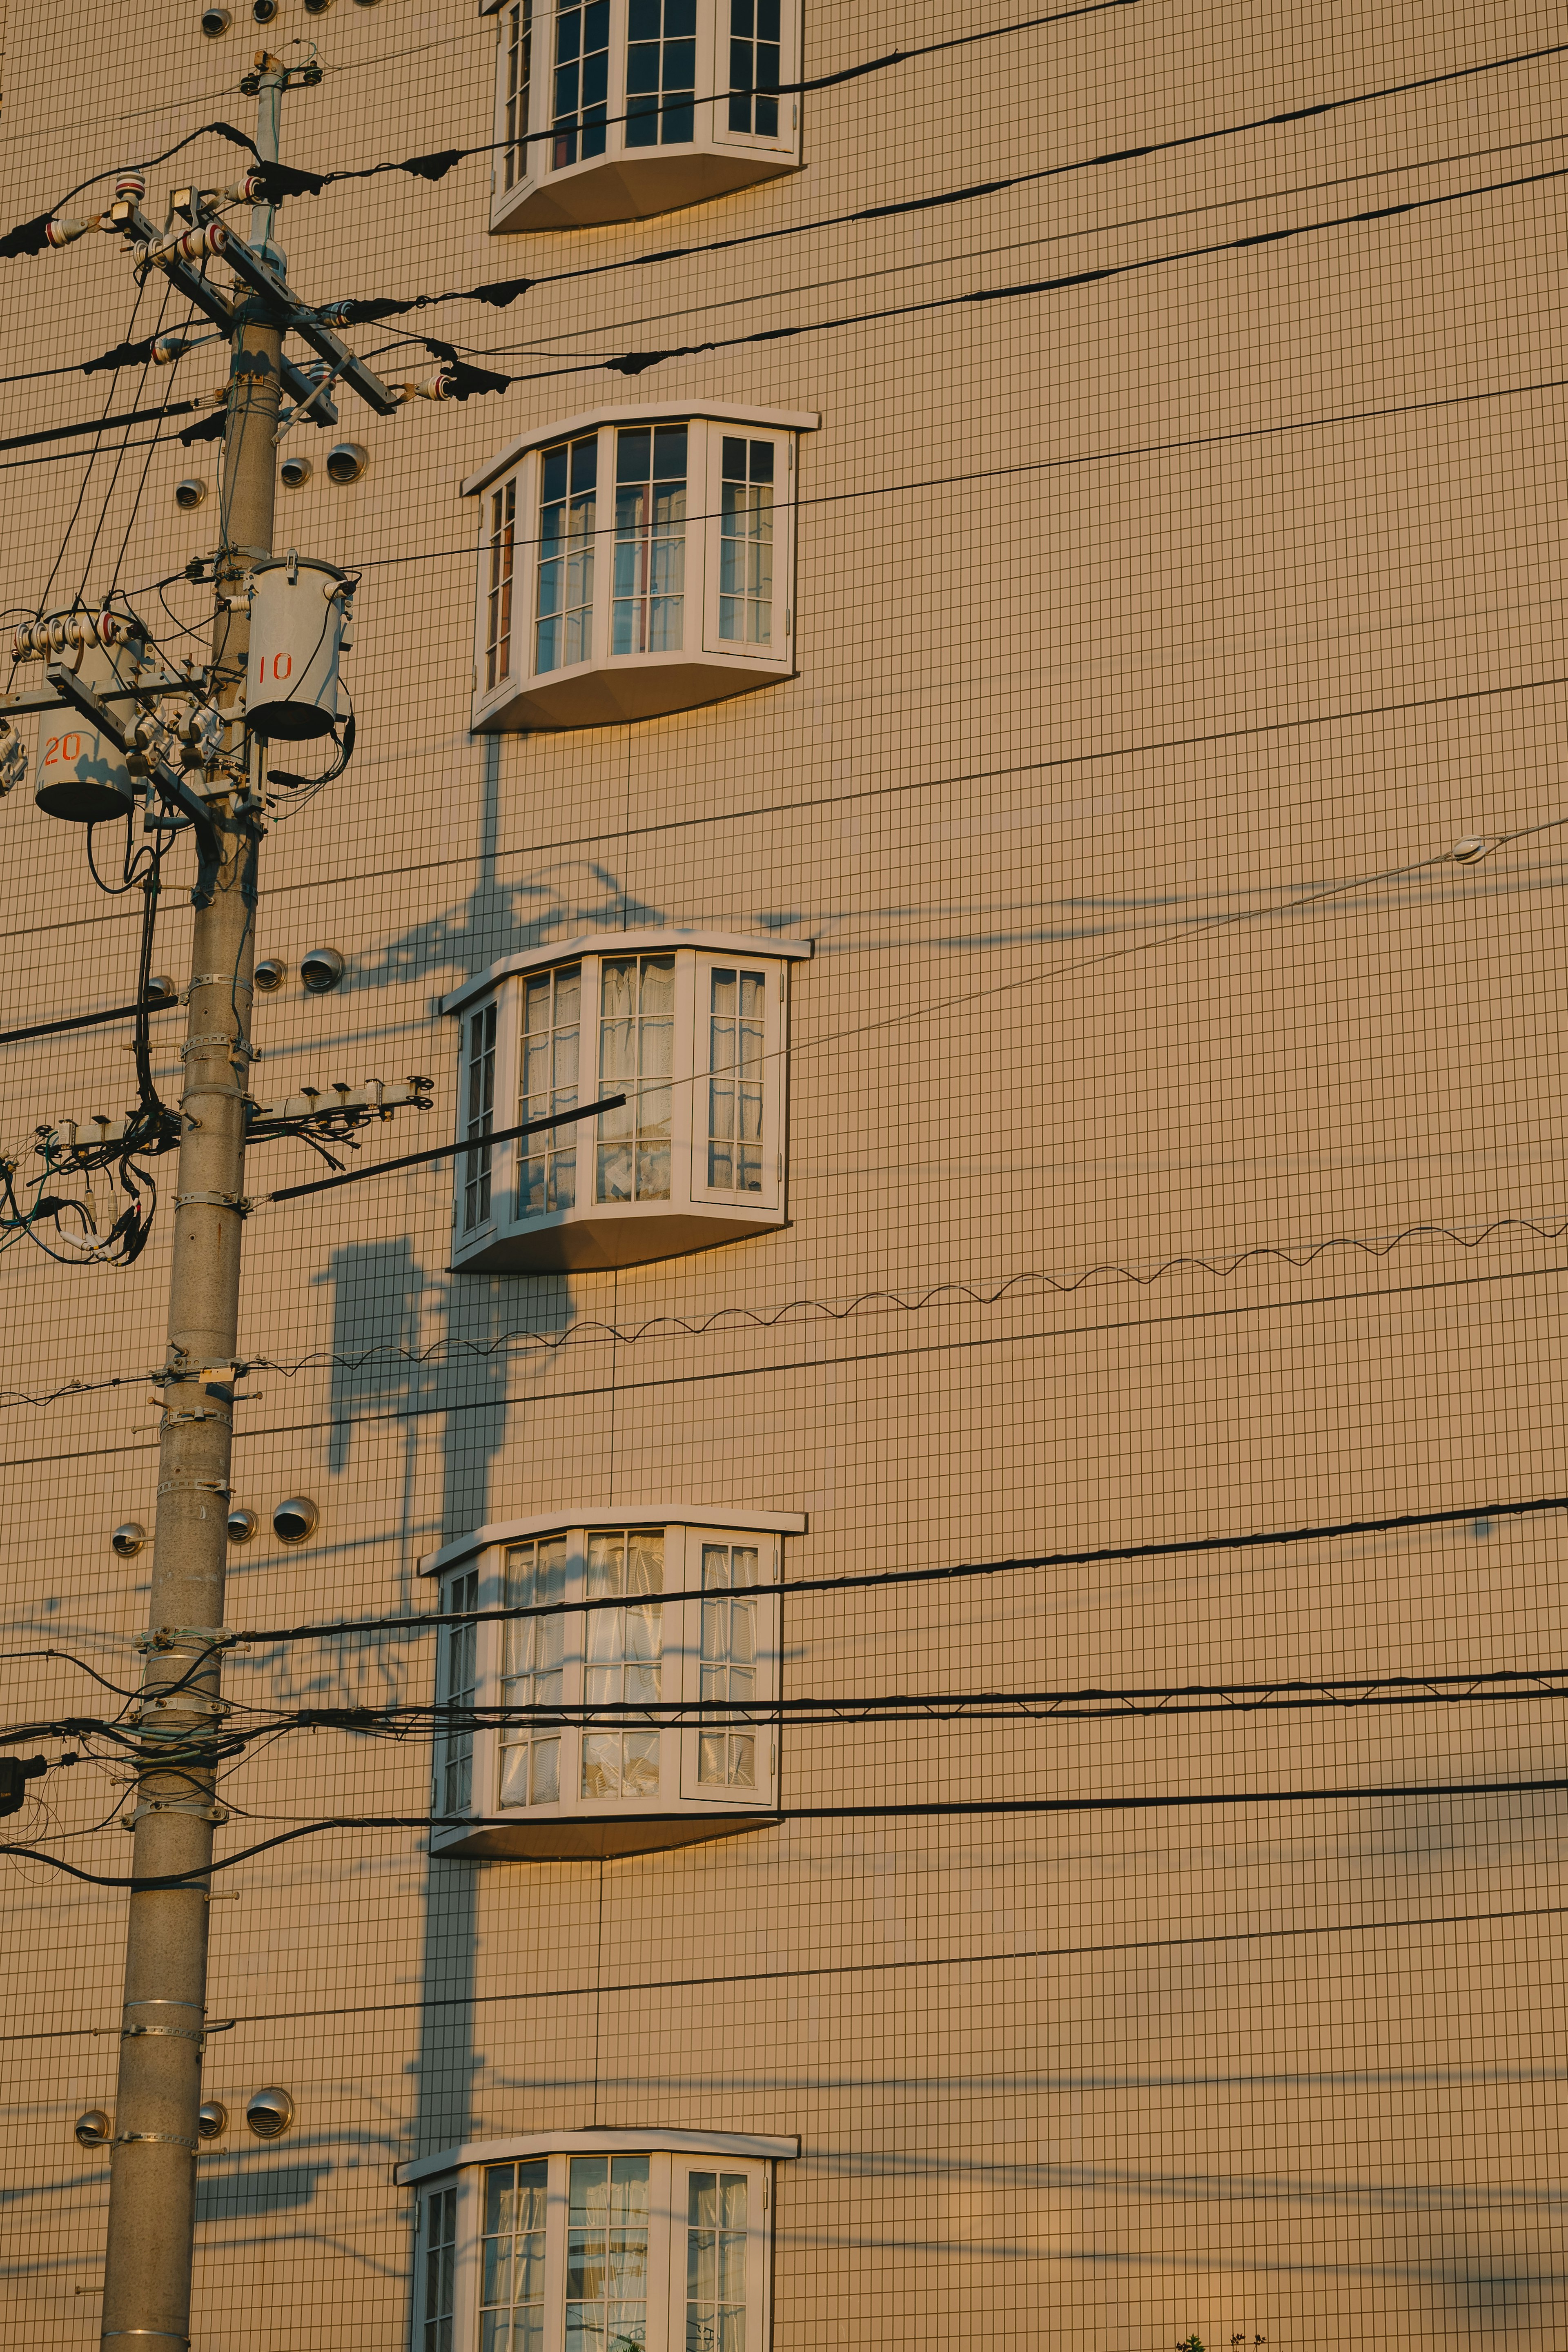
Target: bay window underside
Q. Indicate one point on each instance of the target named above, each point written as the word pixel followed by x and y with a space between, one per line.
pixel 633 187
pixel 572 1838
pixel 648 685
pixel 622 1233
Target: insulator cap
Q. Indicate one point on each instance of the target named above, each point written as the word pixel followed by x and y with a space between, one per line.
pixel 66 232
pixel 131 185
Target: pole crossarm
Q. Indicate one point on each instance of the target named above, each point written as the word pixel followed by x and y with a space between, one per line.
pixel 216 306
pixel 262 278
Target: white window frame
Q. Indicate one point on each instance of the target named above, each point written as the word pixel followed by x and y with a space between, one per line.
pixel 632 183
pixel 673 2155
pixel 697 1215
pixel 472 1573
pixel 606 688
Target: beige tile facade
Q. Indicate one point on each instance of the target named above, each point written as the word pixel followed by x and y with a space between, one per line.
pixel 1174 1141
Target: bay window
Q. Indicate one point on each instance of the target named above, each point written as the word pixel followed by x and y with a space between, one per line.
pixel 645 1720
pixel 613 109
pixel 633 564
pixel 596 2241
pixel 692 1028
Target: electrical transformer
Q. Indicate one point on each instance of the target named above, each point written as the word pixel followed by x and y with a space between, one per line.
pixel 77 774
pixel 299 612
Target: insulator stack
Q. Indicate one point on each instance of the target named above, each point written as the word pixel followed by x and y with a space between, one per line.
pixel 66 232
pixel 166 349
pixel 63 632
pixel 131 186
pixel 191 245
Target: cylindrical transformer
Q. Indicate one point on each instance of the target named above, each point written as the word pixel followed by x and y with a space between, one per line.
pixel 79 775
pixel 298 608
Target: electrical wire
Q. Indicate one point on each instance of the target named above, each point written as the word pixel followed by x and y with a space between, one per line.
pixel 289 181
pixel 1099 1554
pixel 468 381
pixel 592 1331
pixel 1224 1798
pixel 501 292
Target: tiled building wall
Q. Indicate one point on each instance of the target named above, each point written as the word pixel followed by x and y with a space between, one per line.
pixel 1173 1148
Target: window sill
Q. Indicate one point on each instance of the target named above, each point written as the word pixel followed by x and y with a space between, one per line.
pixel 581 1837
pixel 583 1240
pixel 607 694
pixel 633 187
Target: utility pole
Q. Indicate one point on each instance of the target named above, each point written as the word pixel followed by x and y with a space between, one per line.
pixel 152 2205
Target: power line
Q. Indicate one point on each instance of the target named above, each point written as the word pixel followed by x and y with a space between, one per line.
pixel 29 237
pixel 956 1808
pixel 468 382
pixel 636 364
pixel 590 1330
pixel 832 1969
pixel 499 293
pixel 475 1144
pixel 89 1020
pixel 1100 1555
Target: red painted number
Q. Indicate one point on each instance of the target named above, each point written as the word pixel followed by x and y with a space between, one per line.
pixel 281 667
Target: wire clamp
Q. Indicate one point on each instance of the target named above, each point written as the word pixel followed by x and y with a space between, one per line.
pixel 216 1814
pixel 193 1486
pixel 215 979
pixel 185 1637
pixel 155 2140
pixel 220 1038
pixel 239 1200
pixel 163 2033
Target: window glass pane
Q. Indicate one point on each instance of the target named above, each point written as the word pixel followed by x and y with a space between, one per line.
pixel 497 600
pixel 650 541
pixel 517 38
pixel 456 1676
pixel 478 1113
pixel 746 542
pixel 563 627
pixel 607 2254
pixel 512 2281
pixel 532 1648
pixel 636 1047
pixel 736 1021
pixel 716 2262
pixel 580 107
pixel 440 2266
pixel 754 66
pixel 624 1660
pixel 552 1027
pixel 661 72
pixel 727 1750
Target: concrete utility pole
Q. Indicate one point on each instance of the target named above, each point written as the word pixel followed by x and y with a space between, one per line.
pixel 152 2205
